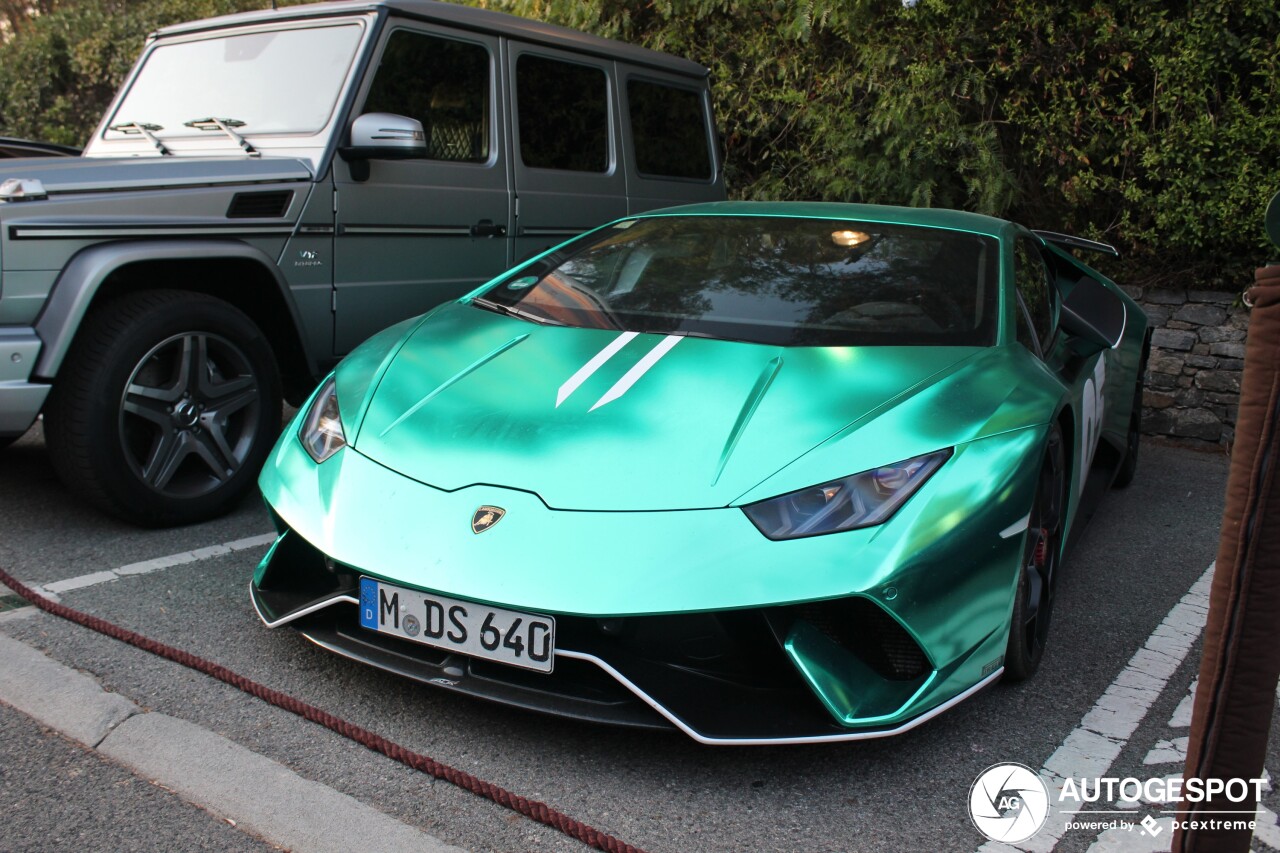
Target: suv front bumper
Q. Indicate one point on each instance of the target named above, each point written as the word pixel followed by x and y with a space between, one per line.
pixel 20 399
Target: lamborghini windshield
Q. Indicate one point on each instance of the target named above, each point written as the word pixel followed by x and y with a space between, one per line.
pixel 768 280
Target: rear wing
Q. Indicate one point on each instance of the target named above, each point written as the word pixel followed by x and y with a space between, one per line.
pixel 1067 241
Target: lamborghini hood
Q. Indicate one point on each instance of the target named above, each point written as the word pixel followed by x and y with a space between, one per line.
pixel 605 420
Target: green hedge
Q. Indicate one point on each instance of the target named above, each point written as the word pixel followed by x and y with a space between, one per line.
pixel 1151 125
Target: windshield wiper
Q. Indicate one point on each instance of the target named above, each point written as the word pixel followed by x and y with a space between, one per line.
pixel 138 127
pixel 225 125
pixel 511 311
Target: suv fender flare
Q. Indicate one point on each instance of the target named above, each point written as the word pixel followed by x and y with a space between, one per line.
pixel 85 273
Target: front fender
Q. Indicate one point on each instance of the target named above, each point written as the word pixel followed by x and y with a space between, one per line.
pixel 85 273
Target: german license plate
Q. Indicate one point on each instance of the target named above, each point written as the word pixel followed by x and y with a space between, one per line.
pixel 480 630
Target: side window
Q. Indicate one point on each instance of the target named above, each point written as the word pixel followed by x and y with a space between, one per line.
pixel 564 115
pixel 668 129
pixel 442 83
pixel 1032 279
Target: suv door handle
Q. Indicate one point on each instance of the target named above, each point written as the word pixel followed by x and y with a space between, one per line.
pixel 487 228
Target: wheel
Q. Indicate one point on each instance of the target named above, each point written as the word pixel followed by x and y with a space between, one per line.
pixel 165 408
pixel 1037 579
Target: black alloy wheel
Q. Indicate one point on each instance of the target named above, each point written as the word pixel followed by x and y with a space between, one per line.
pixel 165 409
pixel 1037 580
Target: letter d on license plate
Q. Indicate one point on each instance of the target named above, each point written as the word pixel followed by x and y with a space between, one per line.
pixel 525 640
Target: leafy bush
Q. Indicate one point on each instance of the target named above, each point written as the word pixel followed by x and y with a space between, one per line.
pixel 1152 125
pixel 59 74
pixel 1149 124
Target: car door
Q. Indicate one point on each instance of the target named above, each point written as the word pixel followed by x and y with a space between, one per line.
pixel 1037 329
pixel 418 232
pixel 569 174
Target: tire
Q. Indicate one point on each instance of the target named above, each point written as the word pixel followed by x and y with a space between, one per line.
pixel 1038 574
pixel 165 408
pixel 1129 464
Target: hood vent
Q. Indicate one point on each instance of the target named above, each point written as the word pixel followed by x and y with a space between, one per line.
pixel 267 205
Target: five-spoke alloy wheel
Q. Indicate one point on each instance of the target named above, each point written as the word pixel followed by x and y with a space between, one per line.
pixel 165 408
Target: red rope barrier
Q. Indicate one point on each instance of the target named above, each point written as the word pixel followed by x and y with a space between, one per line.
pixel 532 809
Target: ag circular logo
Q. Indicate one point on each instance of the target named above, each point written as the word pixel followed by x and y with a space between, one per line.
pixel 1008 803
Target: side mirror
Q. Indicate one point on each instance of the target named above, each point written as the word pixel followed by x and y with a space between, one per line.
pixel 383 136
pixel 1093 316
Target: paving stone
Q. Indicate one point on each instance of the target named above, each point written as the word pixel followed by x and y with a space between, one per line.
pixel 1166 297
pixel 1217 297
pixel 1173 339
pixel 1219 380
pixel 1197 423
pixel 1201 315
pixel 1230 349
pixel 1165 363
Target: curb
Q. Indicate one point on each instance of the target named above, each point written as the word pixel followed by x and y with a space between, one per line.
pixel 260 795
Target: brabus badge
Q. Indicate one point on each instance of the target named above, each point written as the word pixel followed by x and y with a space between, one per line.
pixel 486 517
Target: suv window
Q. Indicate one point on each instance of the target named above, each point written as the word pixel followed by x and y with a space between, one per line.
pixel 668 130
pixel 281 81
pixel 442 83
pixel 1032 279
pixel 564 115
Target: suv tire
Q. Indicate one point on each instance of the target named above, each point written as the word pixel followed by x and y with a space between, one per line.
pixel 165 408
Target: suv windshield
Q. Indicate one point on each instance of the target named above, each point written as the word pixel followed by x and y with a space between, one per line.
pixel 769 280
pixel 280 81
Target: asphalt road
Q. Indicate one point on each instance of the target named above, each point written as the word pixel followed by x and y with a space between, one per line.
pixel 1142 552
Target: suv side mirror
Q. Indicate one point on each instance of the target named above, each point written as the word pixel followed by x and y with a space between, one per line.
pixel 383 136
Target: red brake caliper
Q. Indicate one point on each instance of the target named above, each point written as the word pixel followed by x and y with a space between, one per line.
pixel 1042 548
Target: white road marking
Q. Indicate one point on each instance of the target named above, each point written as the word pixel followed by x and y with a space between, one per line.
pixel 640 369
pixel 1268 829
pixel 1181 718
pixel 94 578
pixel 1093 746
pixel 1168 752
pixel 597 361
pixel 1136 839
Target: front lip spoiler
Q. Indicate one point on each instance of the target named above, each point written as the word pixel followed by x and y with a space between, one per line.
pixel 297 614
pixel 783 741
pixel 648 700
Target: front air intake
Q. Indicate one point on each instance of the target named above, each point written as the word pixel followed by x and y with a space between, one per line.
pixel 875 637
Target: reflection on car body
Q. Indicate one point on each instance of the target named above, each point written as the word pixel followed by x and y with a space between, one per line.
pixel 775 473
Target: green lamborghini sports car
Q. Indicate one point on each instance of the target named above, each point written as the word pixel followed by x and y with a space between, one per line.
pixel 761 472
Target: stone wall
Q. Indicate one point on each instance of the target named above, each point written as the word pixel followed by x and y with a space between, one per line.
pixel 1197 353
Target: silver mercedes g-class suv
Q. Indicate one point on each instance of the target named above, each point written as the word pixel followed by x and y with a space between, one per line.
pixel 270 188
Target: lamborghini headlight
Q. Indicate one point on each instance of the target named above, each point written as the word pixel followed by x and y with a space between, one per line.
pixel 862 500
pixel 321 432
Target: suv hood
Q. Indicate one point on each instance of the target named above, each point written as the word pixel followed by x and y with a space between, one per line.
pixel 604 420
pixel 90 174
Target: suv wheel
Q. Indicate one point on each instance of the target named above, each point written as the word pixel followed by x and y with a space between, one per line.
pixel 165 408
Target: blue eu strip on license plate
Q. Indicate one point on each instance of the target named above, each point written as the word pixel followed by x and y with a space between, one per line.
pixel 369 603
